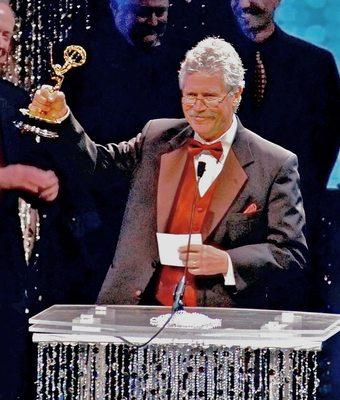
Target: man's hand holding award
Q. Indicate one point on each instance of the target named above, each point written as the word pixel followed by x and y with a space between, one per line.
pixel 48 104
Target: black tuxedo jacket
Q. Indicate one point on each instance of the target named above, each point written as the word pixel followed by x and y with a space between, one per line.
pixel 267 248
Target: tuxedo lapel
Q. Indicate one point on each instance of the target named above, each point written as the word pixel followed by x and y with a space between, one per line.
pixel 171 169
pixel 229 183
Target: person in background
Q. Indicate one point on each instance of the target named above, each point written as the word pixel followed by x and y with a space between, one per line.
pixel 142 23
pixel 34 211
pixel 292 98
pixel 16 180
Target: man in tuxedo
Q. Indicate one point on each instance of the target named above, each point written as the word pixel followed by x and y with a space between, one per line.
pixel 53 269
pixel 15 177
pixel 17 279
pixel 249 208
pixel 18 298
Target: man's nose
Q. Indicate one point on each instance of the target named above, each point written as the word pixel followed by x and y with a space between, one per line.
pixel 243 3
pixel 153 20
pixel 199 104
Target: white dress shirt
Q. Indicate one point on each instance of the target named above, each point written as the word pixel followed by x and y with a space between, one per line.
pixel 212 170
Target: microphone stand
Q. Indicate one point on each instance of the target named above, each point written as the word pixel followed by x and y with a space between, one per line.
pixel 180 287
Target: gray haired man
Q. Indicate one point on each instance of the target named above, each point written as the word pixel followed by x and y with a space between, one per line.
pixel 248 210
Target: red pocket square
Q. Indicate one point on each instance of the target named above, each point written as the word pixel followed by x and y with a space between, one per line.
pixel 250 209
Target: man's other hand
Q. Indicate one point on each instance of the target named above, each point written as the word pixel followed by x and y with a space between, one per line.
pixel 49 104
pixel 42 183
pixel 204 259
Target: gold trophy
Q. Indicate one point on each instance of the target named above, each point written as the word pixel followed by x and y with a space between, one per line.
pixel 74 56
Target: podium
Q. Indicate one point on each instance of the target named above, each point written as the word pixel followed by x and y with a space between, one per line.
pixel 91 352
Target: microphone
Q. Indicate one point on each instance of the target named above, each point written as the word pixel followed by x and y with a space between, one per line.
pixel 180 287
pixel 200 170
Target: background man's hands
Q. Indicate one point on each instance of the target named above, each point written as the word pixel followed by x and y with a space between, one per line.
pixel 204 259
pixel 49 104
pixel 45 184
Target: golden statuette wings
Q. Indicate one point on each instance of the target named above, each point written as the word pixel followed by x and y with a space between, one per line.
pixel 74 56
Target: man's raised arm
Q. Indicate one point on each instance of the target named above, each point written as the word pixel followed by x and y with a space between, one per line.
pixel 52 105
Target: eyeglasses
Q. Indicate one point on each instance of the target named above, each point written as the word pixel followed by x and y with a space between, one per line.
pixel 208 101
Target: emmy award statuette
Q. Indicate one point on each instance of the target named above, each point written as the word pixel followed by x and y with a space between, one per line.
pixel 74 56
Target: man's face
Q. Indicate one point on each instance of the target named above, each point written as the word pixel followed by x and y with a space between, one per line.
pixel 210 122
pixel 142 22
pixel 254 16
pixel 6 31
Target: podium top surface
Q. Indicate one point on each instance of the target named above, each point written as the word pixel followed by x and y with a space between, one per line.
pixel 238 327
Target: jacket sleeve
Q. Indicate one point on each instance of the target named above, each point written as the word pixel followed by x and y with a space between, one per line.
pixel 95 158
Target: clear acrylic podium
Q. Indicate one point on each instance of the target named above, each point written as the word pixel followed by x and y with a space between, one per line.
pixel 253 354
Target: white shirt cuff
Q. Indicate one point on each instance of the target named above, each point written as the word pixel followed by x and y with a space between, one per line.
pixel 60 120
pixel 229 277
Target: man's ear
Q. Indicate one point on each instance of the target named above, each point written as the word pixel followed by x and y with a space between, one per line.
pixel 237 98
pixel 238 93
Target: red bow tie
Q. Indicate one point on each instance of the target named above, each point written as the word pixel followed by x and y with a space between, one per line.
pixel 196 147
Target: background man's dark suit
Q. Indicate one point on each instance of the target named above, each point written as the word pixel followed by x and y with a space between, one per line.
pixel 300 106
pixel 262 245
pixel 60 269
pixel 13 269
pixel 58 249
pixel 299 111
